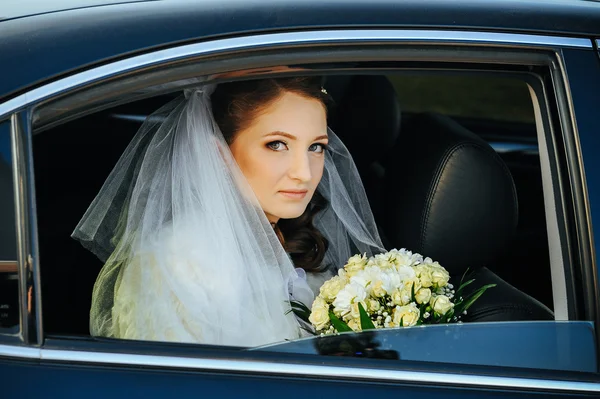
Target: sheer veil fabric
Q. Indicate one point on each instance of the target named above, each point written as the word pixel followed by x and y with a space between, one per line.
pixel 189 254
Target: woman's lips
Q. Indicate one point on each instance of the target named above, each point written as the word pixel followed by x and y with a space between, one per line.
pixel 294 194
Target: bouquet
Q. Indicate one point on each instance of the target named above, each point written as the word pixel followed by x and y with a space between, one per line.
pixel 394 289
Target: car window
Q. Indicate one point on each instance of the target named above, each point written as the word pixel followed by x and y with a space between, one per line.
pixel 9 312
pixel 397 128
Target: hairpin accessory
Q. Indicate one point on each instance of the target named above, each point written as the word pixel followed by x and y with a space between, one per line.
pixel 323 90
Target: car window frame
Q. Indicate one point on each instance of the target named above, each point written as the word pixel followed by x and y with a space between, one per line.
pixel 23 116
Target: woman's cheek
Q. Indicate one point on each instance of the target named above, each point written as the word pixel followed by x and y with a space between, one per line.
pixel 317 171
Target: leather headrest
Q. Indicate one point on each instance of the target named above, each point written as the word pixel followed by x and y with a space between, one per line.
pixel 366 116
pixel 450 196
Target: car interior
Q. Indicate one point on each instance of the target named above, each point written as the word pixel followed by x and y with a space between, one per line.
pixel 469 205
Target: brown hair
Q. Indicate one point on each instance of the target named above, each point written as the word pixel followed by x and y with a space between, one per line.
pixel 235 105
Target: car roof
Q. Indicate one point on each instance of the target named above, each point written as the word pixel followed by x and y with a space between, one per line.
pixel 12 9
pixel 45 41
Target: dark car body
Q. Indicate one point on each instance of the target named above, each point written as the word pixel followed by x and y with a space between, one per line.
pixel 64 60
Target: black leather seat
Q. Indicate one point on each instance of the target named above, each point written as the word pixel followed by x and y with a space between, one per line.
pixel 449 196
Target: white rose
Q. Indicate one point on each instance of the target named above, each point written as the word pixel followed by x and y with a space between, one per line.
pixel 367 277
pixel 423 295
pixel 404 257
pixel 319 317
pixel 441 304
pixel 408 314
pixel 331 287
pixel 350 294
pixel 395 279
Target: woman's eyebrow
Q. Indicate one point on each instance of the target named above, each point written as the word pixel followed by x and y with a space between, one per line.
pixel 291 136
pixel 280 133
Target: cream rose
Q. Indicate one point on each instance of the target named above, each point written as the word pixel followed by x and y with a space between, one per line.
pixel 425 275
pixel 319 317
pixel 440 276
pixel 355 311
pixel 423 295
pixel 396 297
pixel 378 290
pixel 408 314
pixel 407 290
pixel 354 324
pixel 355 264
pixel 441 304
pixel 319 302
pixel 332 287
pixel 374 305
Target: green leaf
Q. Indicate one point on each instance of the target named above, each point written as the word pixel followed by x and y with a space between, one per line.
pixel 339 325
pixel 412 294
pixel 462 287
pixel 365 321
pixel 300 310
pixel 466 304
pixel 300 305
pixel 463 277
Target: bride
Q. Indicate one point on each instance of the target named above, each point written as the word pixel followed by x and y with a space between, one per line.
pixel 229 201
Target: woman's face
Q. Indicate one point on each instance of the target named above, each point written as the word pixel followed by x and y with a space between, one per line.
pixel 282 154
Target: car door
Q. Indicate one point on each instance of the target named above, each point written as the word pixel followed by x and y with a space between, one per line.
pixel 40 359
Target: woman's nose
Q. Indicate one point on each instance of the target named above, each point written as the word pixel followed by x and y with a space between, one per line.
pixel 300 168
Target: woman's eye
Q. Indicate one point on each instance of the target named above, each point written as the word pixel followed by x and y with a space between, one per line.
pixel 277 145
pixel 317 147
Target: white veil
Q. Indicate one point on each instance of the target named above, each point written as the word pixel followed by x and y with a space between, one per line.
pixel 189 254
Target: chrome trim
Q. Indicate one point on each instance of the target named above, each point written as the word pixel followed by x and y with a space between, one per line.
pixel 290 38
pixel 295 370
pixel 20 192
pixel 29 295
pixel 20 352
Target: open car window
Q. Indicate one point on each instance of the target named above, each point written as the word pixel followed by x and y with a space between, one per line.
pixel 399 117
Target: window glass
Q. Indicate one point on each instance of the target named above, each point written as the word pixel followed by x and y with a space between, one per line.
pixel 9 313
pixel 398 129
pixel 481 97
